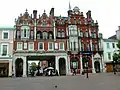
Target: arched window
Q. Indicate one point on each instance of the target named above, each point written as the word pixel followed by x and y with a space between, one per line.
pixel 59 34
pixel 50 36
pixel 74 63
pixel 45 35
pixel 85 61
pixel 94 35
pixel 39 35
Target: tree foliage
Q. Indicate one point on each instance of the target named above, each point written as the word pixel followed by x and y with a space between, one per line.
pixel 116 56
pixel 33 66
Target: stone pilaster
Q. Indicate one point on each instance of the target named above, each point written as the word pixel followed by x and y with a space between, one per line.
pixel 81 65
pixel 24 66
pixel 57 63
pixel 93 68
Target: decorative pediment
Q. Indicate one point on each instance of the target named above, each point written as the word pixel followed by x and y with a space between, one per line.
pixel 97 56
pixel 76 10
pixel 44 20
pixel 24 19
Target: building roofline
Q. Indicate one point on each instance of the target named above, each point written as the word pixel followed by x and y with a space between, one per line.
pixel 7 28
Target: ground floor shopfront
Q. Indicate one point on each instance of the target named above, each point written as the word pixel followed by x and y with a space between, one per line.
pixel 5 67
pixel 62 62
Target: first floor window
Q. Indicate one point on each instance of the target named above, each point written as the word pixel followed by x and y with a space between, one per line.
pixel 5 35
pixel 31 46
pixel 61 46
pixel 109 56
pixel 4 50
pixel 50 46
pixel 25 45
pixel 19 46
pixel 41 46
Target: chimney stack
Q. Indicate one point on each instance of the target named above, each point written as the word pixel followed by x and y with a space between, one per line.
pixel 34 14
pixel 52 12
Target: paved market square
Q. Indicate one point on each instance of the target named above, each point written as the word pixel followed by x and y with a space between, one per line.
pixel 102 81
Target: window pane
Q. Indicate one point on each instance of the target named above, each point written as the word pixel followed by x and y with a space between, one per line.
pixel 40 45
pixel 50 45
pixel 31 34
pixel 58 34
pixel 31 46
pixel 45 35
pixel 108 45
pixel 19 46
pixel 5 35
pixel 61 46
pixel 25 33
pixel 63 35
pixel 4 50
pixel 109 56
pixel 113 45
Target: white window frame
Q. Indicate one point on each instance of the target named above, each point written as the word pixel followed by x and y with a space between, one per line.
pixel 3 35
pixel 52 46
pixel 27 31
pixel 21 47
pixel 42 44
pixel 25 45
pixel 63 46
pixel 29 46
pixel 108 56
pixel 56 45
pixel 2 48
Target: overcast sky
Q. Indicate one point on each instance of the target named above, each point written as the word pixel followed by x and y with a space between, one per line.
pixel 107 12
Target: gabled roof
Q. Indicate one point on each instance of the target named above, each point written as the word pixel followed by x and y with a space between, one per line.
pixel 112 37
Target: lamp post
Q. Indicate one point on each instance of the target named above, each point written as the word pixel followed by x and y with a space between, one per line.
pixel 114 65
pixel 86 66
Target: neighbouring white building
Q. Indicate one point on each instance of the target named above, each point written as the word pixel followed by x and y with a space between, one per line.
pixel 110 47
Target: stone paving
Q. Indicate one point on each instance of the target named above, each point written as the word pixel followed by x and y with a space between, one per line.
pixel 102 81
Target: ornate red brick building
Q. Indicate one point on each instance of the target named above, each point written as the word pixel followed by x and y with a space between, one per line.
pixel 64 42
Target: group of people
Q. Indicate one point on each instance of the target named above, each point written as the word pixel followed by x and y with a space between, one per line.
pixel 44 72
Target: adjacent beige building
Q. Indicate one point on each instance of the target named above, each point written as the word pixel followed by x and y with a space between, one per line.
pixel 6 49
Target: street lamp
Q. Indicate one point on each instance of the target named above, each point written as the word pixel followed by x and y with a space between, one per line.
pixel 86 67
pixel 114 64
